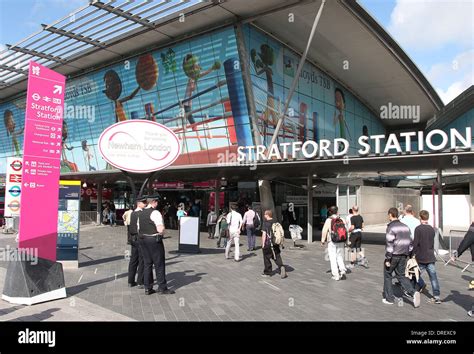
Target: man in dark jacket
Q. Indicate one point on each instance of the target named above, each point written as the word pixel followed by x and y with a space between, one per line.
pixel 150 236
pixel 467 242
pixel 423 249
pixel 399 246
pixel 136 257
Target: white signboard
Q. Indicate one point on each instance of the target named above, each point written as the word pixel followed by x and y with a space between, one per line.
pixel 139 146
pixel 13 186
pixel 189 234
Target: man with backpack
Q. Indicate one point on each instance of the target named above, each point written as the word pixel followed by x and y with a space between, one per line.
pixel 251 223
pixel 335 234
pixel 222 228
pixel 211 222
pixel 272 237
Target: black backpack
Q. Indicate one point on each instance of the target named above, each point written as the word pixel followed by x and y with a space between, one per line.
pixel 256 221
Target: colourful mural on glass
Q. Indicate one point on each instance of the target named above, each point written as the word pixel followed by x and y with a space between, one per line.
pixel 319 109
pixel 194 87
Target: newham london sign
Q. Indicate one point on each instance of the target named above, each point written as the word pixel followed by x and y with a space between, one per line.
pixel 139 146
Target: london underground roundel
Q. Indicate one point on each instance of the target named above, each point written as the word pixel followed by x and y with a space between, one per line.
pixel 139 146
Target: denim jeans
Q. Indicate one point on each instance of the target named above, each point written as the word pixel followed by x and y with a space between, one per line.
pixel 397 265
pixel 112 218
pixel 431 269
pixel 250 236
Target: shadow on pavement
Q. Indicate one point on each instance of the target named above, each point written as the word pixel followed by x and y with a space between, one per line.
pixel 6 311
pixel 38 317
pixel 248 255
pixel 178 280
pixel 467 278
pixel 100 261
pixel 464 301
pixel 76 289
pixel 202 251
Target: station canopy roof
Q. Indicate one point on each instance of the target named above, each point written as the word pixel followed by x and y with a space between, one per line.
pixel 355 169
pixel 103 32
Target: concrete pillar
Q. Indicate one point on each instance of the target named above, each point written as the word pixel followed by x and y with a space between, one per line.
pixel 99 202
pixel 310 207
pixel 266 196
pixel 471 194
pixel 264 186
pixel 439 181
pixel 216 197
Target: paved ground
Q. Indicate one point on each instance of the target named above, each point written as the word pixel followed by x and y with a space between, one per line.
pixel 210 288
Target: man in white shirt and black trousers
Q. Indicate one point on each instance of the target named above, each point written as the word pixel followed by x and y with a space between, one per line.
pixel 150 234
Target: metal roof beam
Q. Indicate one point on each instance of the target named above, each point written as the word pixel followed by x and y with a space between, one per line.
pixel 12 69
pixel 127 15
pixel 72 35
pixel 34 53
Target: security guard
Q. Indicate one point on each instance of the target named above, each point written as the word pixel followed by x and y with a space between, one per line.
pixel 136 257
pixel 150 236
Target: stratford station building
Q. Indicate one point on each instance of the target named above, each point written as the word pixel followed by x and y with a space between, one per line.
pixel 363 125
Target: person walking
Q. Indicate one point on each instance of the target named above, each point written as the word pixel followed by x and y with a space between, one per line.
pixel 106 214
pixel 222 228
pixel 423 249
pixel 151 230
pixel 180 213
pixel 136 264
pixel 112 214
pixel 270 249
pixel 355 239
pixel 399 246
pixel 172 216
pixel 334 226
pixel 211 222
pixel 126 221
pixel 249 227
pixel 234 220
pixel 410 220
pixel 348 219
pixel 466 243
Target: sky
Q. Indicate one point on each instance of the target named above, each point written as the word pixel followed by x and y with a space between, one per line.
pixel 438 35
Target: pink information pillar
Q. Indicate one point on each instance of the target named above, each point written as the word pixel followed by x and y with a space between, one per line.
pixel 41 161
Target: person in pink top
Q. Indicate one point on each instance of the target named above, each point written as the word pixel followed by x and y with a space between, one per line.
pixel 249 227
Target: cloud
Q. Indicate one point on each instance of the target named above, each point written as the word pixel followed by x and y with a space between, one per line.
pixel 460 65
pixel 432 24
pixel 455 89
pixel 458 74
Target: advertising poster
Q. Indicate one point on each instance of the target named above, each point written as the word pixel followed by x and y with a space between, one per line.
pixel 194 88
pixel 319 109
pixel 41 160
pixel 68 220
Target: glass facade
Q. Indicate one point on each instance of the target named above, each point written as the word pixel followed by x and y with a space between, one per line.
pixel 319 109
pixel 195 88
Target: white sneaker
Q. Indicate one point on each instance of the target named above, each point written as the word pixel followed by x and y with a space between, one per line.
pixel 416 299
pixel 335 278
pixel 386 302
